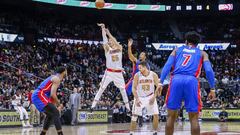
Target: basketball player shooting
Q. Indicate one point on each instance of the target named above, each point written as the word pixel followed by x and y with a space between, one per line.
pixel 45 99
pixel 145 96
pixel 184 85
pixel 113 53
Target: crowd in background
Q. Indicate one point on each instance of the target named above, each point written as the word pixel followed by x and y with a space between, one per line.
pixel 24 66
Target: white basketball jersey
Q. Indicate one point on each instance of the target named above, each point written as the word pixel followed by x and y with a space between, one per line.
pixel 18 99
pixel 114 59
pixel 145 84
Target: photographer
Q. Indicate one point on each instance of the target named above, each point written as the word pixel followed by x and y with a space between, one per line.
pixel 223 116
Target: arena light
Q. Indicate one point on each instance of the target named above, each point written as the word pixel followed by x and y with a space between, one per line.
pixel 225 7
pixel 178 8
pixel 199 7
pixel 168 7
pixel 189 7
pixel 6 37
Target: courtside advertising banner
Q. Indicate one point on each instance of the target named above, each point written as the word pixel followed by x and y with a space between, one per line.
pixel 10 118
pixel 201 46
pixel 213 114
pixel 94 117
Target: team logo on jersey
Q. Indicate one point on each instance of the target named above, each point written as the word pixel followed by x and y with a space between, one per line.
pixel 146 81
pixel 189 51
pixel 114 51
pixel 61 1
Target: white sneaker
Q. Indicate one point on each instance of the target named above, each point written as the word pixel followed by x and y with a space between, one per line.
pixel 30 126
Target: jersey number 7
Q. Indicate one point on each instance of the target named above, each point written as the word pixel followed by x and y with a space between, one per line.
pixel 187 59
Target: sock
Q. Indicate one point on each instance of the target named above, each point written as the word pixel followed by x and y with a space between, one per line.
pixel 23 123
pixel 28 123
pixel 94 103
pixel 43 133
pixel 125 98
pixel 60 133
pixel 97 97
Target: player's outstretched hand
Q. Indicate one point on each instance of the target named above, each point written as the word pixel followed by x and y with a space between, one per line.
pixel 211 94
pixel 152 100
pixel 101 25
pixel 130 42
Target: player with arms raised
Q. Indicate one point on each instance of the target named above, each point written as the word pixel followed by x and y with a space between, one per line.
pixel 184 85
pixel 113 53
pixel 135 62
pixel 145 95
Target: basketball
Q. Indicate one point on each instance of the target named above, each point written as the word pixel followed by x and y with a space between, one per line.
pixel 99 4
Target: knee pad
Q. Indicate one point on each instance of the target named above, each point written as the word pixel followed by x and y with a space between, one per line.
pixel 134 118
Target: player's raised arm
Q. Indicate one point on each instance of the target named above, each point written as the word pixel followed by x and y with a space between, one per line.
pixel 209 73
pixel 55 85
pixel 130 54
pixel 168 65
pixel 104 36
pixel 113 39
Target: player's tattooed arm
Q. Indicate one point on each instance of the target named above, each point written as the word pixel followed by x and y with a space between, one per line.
pixel 130 54
pixel 56 82
pixel 113 39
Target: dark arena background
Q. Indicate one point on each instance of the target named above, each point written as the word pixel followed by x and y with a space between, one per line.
pixel 37 36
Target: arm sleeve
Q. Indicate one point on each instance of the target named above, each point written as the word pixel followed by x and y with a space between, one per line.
pixel 167 67
pixel 209 73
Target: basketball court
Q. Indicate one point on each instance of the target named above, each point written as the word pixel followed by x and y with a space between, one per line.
pixel 207 128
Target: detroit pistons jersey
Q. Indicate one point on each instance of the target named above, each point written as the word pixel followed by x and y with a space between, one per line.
pixel 41 96
pixel 188 61
pixel 114 59
pixel 145 84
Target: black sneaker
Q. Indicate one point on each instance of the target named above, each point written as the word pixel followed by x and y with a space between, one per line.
pixel 91 110
pixel 155 133
pixel 140 121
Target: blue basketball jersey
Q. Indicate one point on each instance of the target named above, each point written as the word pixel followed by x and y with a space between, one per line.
pixel 41 96
pixel 188 61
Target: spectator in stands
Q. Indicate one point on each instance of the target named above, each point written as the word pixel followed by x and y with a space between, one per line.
pixel 223 115
pixel 74 105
